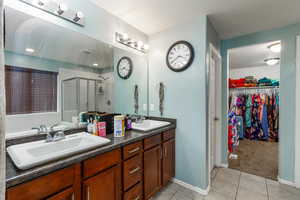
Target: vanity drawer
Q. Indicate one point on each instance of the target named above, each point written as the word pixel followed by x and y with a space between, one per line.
pixel 169 135
pixel 152 141
pixel 95 165
pixel 44 186
pixel 132 171
pixel 132 149
pixel 135 193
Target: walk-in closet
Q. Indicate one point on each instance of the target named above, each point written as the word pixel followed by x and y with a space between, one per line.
pixel 253 109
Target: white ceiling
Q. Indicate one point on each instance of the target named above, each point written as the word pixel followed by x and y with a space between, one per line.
pixel 251 56
pixel 230 17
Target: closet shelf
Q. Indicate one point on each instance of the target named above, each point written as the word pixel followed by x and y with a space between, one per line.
pixel 256 88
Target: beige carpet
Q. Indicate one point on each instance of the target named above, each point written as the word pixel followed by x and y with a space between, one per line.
pixel 257 157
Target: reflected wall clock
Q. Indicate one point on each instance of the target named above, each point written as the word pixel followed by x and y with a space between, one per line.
pixel 124 67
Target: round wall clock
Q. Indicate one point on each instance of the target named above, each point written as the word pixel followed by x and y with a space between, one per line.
pixel 180 56
pixel 124 67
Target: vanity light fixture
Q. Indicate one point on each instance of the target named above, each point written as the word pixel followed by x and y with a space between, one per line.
pixel 275 48
pixel 62 8
pixel 79 15
pixel 146 46
pixel 124 39
pixel 140 44
pixel 58 9
pixel 272 61
pixel 29 50
pixel 41 2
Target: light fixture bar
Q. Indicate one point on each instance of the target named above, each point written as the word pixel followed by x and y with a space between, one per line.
pixel 58 9
pixel 127 41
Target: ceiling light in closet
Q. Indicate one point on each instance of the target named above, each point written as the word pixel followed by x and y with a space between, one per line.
pixel 276 48
pixel 29 50
pixel 272 61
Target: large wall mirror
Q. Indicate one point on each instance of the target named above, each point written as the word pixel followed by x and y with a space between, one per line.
pixel 53 74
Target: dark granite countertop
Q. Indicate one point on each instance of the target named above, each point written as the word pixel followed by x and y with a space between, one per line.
pixel 14 176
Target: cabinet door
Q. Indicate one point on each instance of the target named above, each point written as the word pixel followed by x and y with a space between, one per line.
pixel 67 194
pixel 168 164
pixel 104 186
pixel 152 171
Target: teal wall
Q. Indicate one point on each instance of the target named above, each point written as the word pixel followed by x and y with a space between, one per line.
pixel 124 89
pixel 184 98
pixel 287 35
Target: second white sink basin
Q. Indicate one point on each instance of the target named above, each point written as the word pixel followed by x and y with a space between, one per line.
pixel 32 154
pixel 148 125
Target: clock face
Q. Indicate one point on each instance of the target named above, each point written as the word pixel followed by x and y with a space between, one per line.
pixel 124 67
pixel 180 56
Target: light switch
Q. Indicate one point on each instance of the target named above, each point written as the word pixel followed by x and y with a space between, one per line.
pixel 145 107
pixel 152 107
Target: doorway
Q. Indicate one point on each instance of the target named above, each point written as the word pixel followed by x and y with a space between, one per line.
pixel 214 108
pixel 253 109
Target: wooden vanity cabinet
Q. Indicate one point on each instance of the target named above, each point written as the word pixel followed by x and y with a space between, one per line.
pixel 168 163
pixel 67 194
pixel 152 166
pixel 102 177
pixel 134 172
pixel 50 186
pixel 104 186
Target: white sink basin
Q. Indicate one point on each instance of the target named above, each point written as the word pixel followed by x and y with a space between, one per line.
pixel 32 154
pixel 148 125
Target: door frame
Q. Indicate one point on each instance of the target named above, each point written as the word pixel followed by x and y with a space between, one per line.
pixel 213 52
pixel 297 117
pixel 224 117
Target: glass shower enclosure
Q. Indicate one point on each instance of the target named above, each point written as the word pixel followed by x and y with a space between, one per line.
pixel 78 95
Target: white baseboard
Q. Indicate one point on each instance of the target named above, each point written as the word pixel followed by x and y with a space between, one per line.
pixel 223 165
pixel 191 187
pixel 285 182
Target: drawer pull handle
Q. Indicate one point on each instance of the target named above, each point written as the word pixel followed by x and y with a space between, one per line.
pixel 135 170
pixel 88 193
pixel 134 150
pixel 137 198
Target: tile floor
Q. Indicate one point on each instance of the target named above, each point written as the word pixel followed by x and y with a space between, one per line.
pixel 229 184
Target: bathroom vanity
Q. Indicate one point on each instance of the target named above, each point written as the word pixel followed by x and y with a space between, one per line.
pixel 134 167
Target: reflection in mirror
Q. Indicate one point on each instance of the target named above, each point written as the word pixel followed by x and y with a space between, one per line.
pixel 53 74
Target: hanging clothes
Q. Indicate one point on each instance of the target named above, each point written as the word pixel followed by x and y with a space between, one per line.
pixel 259 111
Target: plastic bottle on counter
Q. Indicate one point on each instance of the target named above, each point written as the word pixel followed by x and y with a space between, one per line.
pixel 128 122
pixel 119 126
pixel 89 127
pixel 95 130
pixel 101 126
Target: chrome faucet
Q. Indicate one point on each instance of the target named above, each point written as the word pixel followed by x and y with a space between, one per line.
pixel 41 129
pixel 59 135
pixel 138 119
pixel 56 136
